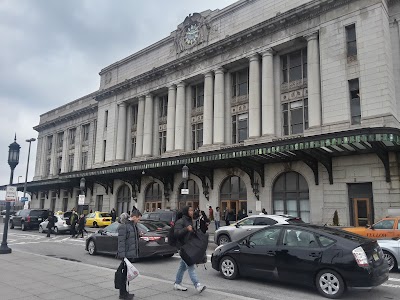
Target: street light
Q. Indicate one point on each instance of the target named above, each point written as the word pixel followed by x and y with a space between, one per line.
pixel 27 168
pixel 13 160
pixel 185 176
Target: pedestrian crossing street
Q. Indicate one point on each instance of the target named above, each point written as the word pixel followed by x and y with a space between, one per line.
pixel 16 238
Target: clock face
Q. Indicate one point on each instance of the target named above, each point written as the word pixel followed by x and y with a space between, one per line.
pixel 192 34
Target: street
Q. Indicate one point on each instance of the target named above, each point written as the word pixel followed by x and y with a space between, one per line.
pixel 66 248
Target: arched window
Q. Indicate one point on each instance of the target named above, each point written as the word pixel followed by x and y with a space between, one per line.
pixel 233 197
pixel 153 198
pixel 290 196
pixel 192 198
pixel 123 199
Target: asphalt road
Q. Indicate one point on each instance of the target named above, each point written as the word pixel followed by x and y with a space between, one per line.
pixel 64 247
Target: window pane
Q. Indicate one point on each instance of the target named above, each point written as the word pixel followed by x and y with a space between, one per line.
pixel 295 59
pixel 351 48
pixel 351 32
pixel 243 76
pixel 295 73
pixel 291 181
pixel 243 89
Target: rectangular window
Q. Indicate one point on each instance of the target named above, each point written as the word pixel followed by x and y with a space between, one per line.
pixel 60 139
pixel 198 95
pixel 240 128
pixel 42 198
pixel 84 160
pixel 99 203
pixel 49 143
pixel 162 135
pixel 48 164
pixel 65 202
pixel 295 117
pixel 59 164
pixel 134 115
pixel 85 132
pixel 72 134
pixel 240 83
pixel 163 102
pixel 294 66
pixel 106 119
pixel 71 158
pixel 133 153
pixel 104 150
pixel 355 105
pixel 197 136
pixel 351 40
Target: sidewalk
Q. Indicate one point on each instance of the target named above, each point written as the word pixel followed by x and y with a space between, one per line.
pixel 33 277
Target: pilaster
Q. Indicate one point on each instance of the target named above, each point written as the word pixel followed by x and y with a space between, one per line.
pixel 140 127
pixel 148 126
pixel 171 118
pixel 219 107
pixel 254 97
pixel 268 93
pixel 208 112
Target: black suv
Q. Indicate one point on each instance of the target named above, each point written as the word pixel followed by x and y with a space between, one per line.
pixel 29 218
pixel 165 215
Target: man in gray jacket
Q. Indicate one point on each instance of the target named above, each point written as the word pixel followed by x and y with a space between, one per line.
pixel 128 244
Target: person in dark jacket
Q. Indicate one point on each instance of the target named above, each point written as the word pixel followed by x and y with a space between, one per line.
pixel 204 222
pixel 183 230
pixel 113 215
pixel 81 225
pixel 128 244
pixel 50 223
pixel 73 219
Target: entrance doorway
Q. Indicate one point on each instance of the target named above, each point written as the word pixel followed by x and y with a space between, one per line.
pixel 153 197
pixel 192 199
pixel 362 212
pixel 233 197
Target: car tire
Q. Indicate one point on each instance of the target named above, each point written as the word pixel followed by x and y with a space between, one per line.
pixel 168 255
pixel 23 226
pixel 40 229
pixel 92 249
pixel 11 225
pixel 56 230
pixel 390 259
pixel 330 284
pixel 95 225
pixel 223 239
pixel 228 268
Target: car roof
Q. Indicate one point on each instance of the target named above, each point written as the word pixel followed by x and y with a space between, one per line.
pixel 275 217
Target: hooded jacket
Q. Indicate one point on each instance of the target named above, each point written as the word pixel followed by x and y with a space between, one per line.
pixel 180 229
pixel 128 238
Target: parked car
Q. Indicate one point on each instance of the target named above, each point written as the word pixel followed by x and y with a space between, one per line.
pixel 60 225
pixel 98 219
pixel 28 218
pixel 391 252
pixel 165 215
pixel 384 229
pixel 12 212
pixel 236 231
pixel 152 241
pixel 330 259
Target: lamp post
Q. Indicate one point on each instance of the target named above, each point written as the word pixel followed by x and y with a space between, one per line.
pixel 13 160
pixel 82 186
pixel 27 168
pixel 185 176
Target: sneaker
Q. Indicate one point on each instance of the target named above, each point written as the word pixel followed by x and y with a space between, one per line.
pixel 178 287
pixel 200 287
pixel 127 296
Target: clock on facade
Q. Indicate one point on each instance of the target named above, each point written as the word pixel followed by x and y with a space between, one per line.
pixel 192 34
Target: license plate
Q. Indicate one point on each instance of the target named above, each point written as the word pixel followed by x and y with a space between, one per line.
pixel 375 256
pixel 40 219
pixel 166 240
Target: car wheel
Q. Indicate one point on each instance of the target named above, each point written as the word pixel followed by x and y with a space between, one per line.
pixel 390 260
pixel 56 230
pixel 330 284
pixel 92 247
pixel 40 229
pixel 228 268
pixel 95 225
pixel 23 227
pixel 11 225
pixel 223 239
pixel 168 255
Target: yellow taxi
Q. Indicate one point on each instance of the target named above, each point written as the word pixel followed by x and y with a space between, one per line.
pixel 98 219
pixel 384 229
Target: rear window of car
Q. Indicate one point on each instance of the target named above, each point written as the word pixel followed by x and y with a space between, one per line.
pixel 295 221
pixel 38 213
pixel 325 241
pixel 105 215
pixel 167 217
pixel 264 221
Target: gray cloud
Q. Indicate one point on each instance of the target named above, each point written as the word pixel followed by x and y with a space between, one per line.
pixel 52 52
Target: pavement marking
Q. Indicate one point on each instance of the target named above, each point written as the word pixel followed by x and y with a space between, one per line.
pixel 394 279
pixel 391 285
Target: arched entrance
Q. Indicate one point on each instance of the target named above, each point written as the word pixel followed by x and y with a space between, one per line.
pixel 153 197
pixel 290 196
pixel 233 197
pixel 192 198
pixel 123 199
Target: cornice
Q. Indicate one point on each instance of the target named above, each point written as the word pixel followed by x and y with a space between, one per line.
pixel 67 117
pixel 280 21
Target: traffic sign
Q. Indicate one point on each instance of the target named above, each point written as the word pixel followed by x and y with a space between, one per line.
pixel 11 193
pixel 81 200
pixel 184 191
pixel 23 199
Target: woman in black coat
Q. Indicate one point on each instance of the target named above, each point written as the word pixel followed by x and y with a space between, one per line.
pixel 204 222
pixel 50 223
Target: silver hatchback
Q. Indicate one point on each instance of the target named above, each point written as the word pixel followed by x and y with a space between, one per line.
pixel 60 226
pixel 391 252
pixel 240 229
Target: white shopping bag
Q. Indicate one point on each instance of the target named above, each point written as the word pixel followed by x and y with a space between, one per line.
pixel 132 272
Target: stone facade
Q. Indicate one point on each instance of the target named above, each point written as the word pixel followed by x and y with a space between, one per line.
pixel 252 73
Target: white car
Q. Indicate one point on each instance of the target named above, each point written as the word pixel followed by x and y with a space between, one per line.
pixel 391 252
pixel 242 228
pixel 60 226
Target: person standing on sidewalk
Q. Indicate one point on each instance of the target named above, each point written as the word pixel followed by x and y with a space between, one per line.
pixel 50 223
pixel 128 244
pixel 113 215
pixel 210 213
pixel 81 226
pixel 217 218
pixel 183 230
pixel 73 219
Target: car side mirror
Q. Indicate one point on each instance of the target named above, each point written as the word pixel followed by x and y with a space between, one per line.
pixel 237 225
pixel 101 231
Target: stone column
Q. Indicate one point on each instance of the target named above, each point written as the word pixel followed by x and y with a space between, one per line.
pixel 268 93
pixel 121 132
pixel 54 156
pixel 171 118
pixel 180 117
pixel 219 107
pixel 140 128
pixel 208 109
pixel 254 97
pixel 128 146
pixel 78 148
pixel 64 163
pixel 228 113
pixel 188 121
pixel 314 80
pixel 148 126
pixel 39 154
pixel 156 115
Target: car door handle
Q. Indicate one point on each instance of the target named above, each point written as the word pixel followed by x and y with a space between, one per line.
pixel 271 253
pixel 315 254
pixel 249 229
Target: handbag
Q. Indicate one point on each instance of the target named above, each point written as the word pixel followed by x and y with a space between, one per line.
pixel 132 272
pixel 194 250
pixel 119 278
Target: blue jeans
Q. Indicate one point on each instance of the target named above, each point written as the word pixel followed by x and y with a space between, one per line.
pixel 191 270
pixel 217 225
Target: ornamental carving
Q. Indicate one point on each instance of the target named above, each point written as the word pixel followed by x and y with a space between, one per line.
pixel 192 32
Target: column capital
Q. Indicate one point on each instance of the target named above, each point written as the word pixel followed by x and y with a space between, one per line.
pixel 172 86
pixel 311 36
pixel 219 70
pixel 122 104
pixel 149 95
pixel 268 52
pixel 181 84
pixel 254 57
pixel 141 97
pixel 208 74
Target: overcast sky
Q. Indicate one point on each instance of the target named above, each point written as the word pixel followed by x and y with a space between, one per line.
pixel 52 51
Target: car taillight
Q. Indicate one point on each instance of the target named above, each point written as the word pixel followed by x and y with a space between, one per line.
pixel 105 220
pixel 28 218
pixel 150 238
pixel 171 223
pixel 361 257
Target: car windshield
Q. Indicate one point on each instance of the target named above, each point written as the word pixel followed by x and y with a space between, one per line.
pixel 149 226
pixel 105 215
pixel 38 213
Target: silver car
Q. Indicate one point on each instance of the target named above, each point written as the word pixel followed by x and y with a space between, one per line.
pixel 242 228
pixel 59 227
pixel 391 252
